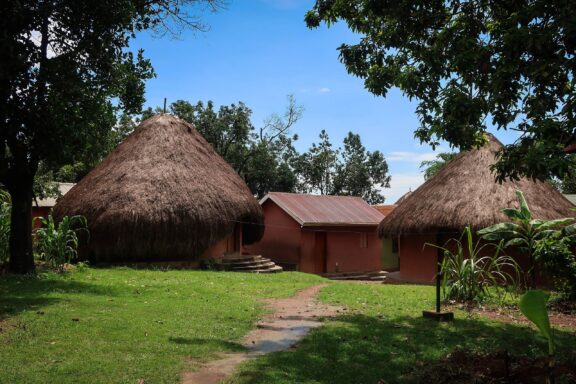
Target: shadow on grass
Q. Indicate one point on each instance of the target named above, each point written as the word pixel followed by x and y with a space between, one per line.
pixel 362 349
pixel 22 293
pixel 216 344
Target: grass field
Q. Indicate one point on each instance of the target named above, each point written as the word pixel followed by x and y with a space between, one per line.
pixel 123 325
pixel 385 337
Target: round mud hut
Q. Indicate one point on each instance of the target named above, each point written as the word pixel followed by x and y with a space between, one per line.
pixel 464 192
pixel 163 195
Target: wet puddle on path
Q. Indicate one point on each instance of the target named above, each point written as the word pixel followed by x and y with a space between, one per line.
pixel 289 321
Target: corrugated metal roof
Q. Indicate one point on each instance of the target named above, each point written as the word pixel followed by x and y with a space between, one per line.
pixel 571 197
pixel 51 201
pixel 384 209
pixel 315 210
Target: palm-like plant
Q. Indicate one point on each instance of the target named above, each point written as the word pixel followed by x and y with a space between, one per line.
pixel 469 269
pixel 58 243
pixel 523 231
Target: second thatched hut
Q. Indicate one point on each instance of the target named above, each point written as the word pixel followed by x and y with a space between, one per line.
pixel 462 193
pixel 164 195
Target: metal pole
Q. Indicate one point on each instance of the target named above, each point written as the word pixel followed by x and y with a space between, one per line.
pixel 440 256
pixel 164 105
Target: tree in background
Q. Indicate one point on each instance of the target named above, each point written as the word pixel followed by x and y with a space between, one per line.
pixel 360 172
pixel 317 167
pixel 465 61
pixel 567 182
pixel 63 63
pixel 431 167
pixel 348 171
pixel 261 157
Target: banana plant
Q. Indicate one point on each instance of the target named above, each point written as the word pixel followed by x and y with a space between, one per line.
pixel 523 231
pixel 533 305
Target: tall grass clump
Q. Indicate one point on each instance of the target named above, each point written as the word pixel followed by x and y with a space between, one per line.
pixel 57 243
pixel 470 271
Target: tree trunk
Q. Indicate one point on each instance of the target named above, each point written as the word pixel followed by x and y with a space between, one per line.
pixel 21 256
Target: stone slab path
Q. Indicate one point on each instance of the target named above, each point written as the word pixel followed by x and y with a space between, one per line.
pixel 289 321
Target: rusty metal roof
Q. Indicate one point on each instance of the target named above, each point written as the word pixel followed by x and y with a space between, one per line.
pixel 384 209
pixel 316 210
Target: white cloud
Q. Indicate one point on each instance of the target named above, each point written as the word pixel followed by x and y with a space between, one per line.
pixel 324 90
pixel 411 157
pixel 400 184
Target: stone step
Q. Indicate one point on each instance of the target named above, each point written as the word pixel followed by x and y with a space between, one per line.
pixel 370 276
pixel 274 269
pixel 246 263
pixel 263 265
pixel 239 259
pixel 378 278
pixel 350 277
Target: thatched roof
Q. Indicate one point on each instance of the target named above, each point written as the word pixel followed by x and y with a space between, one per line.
pixel 163 194
pixel 464 192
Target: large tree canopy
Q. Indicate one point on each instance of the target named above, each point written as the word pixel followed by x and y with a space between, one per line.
pixel 64 74
pixel 469 64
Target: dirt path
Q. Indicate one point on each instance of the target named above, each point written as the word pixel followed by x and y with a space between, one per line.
pixel 291 319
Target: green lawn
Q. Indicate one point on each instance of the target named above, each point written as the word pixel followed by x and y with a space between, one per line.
pixel 385 337
pixel 122 325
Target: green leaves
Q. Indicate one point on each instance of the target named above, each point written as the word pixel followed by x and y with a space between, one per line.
pixel 58 243
pixel 431 167
pixel 533 305
pixel 470 66
pixel 5 211
pixel 469 269
pixel 526 232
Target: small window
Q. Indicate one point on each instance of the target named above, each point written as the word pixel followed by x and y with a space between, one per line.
pixel 363 240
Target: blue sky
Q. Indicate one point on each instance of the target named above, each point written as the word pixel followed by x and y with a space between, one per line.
pixel 260 51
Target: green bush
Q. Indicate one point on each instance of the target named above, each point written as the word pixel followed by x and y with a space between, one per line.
pixel 524 232
pixel 555 255
pixel 57 244
pixel 468 273
pixel 5 210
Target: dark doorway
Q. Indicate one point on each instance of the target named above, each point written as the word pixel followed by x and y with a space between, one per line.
pixel 320 252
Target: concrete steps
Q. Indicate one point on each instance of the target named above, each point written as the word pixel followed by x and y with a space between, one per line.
pixel 364 276
pixel 247 263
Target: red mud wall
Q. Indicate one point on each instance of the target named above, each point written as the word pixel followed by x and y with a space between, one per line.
pixel 39 212
pixel 353 249
pixel 282 237
pixel 417 263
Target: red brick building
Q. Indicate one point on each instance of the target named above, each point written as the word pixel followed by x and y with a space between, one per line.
pixel 320 234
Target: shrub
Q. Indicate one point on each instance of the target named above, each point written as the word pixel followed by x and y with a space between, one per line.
pixel 468 273
pixel 555 255
pixel 523 232
pixel 5 210
pixel 57 244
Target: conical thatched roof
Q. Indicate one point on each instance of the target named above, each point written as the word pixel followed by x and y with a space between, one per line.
pixel 163 194
pixel 464 192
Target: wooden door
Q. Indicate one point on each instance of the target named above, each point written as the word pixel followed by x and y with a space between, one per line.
pixel 320 252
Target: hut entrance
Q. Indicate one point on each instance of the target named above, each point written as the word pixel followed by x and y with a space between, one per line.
pixel 389 255
pixel 320 252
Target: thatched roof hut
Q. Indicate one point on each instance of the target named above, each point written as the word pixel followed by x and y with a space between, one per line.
pixel 163 194
pixel 464 192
